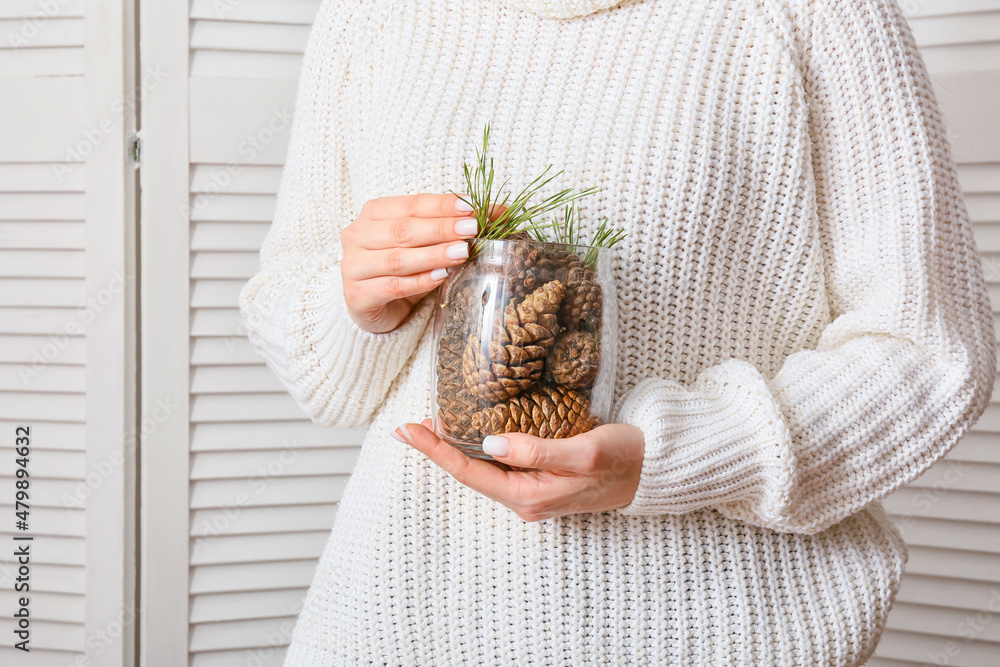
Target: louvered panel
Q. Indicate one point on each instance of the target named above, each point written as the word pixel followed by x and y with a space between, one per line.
pixel 990 421
pixel 42 263
pixel 239 179
pixel 948 503
pixel 27 9
pixel 245 521
pixel 264 11
pixel 954 563
pixel 281 575
pixel 46 635
pixel 974 136
pixel 945 592
pixel 232 380
pixel 18 377
pixel 19 405
pixel 970 476
pixel 286 462
pixel 50 206
pixel 59 435
pixel 50 521
pixel 958 28
pixel 228 549
pixel 240 436
pixel 263 657
pixel 51 492
pixel 41 321
pixel 234 208
pixel 45 462
pixel 979 178
pixel 215 322
pixel 53 292
pixel 57 607
pixel 979 447
pixel 52 550
pixel 51 579
pixel 240 265
pixel 38 352
pixel 38 235
pixel 876 661
pixel 56 61
pixel 983 207
pixel 230 235
pixel 244 36
pixel 269 492
pixel 216 293
pixel 48 129
pixel 925 649
pixel 249 634
pixel 9 656
pixel 930 620
pixel 239 606
pixel 217 352
pixel 41 177
pixel 207 63
pixel 249 407
pixel 34 34
pixel 240 121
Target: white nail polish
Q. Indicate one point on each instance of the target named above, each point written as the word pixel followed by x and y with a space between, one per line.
pixel 457 251
pixel 396 436
pixel 438 274
pixel 466 227
pixel 494 445
pixel 406 434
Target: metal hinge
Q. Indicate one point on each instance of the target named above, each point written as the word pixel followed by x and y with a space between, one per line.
pixel 135 147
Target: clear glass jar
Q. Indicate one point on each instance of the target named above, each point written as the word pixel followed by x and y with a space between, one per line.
pixel 525 340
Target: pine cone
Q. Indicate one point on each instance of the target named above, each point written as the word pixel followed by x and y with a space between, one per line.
pixel 530 267
pixel 582 305
pixel 546 412
pixel 513 359
pixel 574 359
pixel 456 403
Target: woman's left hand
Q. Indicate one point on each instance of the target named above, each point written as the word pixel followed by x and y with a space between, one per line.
pixel 543 478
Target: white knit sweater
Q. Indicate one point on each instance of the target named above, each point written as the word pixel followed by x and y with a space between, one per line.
pixel 804 323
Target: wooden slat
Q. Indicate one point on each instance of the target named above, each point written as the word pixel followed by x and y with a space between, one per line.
pixel 41 177
pixel 263 657
pixel 275 491
pixel 223 322
pixel 47 433
pixel 20 206
pixel 42 321
pixel 235 179
pixel 242 634
pixel 954 563
pixel 233 36
pixel 248 379
pixel 208 523
pixel 252 576
pixel 36 292
pixel 46 130
pixel 52 492
pixel 34 34
pixel 30 9
pixel 289 462
pixel 228 549
pixel 38 235
pixel 225 112
pixel 57 607
pixel 247 407
pixel 945 650
pixel 42 264
pixel 54 61
pixel 47 463
pixel 948 504
pixel 53 550
pixel 245 64
pixel 216 293
pixel 222 436
pixel 55 378
pixel 242 606
pixel 52 579
pixel 242 265
pixel 930 620
pixel 29 406
pixel 299 12
pixel 228 236
pixel 956 28
pixel 47 635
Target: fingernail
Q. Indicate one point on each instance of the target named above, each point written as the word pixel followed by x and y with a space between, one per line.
pixel 494 445
pixel 466 227
pixel 407 438
pixel 396 436
pixel 462 207
pixel 457 251
pixel 438 274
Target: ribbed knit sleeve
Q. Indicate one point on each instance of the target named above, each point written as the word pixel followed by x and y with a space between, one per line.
pixel 293 309
pixel 907 363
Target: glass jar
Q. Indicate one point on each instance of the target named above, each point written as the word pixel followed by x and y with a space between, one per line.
pixel 525 340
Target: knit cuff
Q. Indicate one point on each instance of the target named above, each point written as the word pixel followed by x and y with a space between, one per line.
pixel 341 372
pixel 725 440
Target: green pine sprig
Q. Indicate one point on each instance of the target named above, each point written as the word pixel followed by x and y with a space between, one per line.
pixel 604 237
pixel 519 213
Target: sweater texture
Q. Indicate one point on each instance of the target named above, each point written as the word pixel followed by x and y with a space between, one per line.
pixel 804 323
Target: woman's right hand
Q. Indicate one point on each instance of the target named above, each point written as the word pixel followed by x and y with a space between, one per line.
pixel 399 249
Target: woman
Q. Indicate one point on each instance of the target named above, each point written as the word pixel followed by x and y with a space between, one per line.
pixel 804 327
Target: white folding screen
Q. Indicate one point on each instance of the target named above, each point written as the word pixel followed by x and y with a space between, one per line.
pixel 240 489
pixel 67 297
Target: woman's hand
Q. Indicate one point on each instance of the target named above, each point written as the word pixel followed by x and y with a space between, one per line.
pixel 541 478
pixel 399 249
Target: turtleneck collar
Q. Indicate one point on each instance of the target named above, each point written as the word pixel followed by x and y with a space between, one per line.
pixel 563 9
